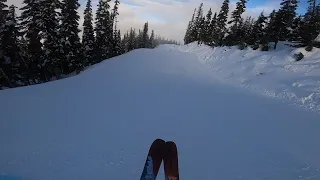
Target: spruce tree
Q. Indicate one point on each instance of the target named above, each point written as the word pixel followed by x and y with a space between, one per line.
pixel 213 37
pixel 207 27
pixel 131 40
pixel 145 35
pixel 151 40
pixel 104 30
pixel 235 34
pixel 191 25
pixel 31 24
pixel 124 42
pixel 199 22
pixel 71 51
pixel 284 19
pixel 272 28
pixel 310 24
pixel 88 35
pixel 10 60
pixel 221 22
pixel 117 44
pixel 50 37
pixel 258 32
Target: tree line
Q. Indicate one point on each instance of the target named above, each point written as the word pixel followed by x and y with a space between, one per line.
pixel 43 43
pixel 283 24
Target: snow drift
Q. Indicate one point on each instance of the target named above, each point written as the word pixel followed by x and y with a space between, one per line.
pixel 274 73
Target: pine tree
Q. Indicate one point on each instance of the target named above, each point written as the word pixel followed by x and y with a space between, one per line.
pixel 207 27
pixel 124 42
pixel 199 22
pixel 104 31
pixel 151 40
pixel 221 22
pixel 310 24
pixel 50 36
pixel 10 60
pixel 131 40
pixel 70 40
pixel 258 32
pixel 295 29
pixel 272 28
pixel 234 34
pixel 284 19
pixel 117 44
pixel 115 39
pixel 88 35
pixel 31 24
pixel 191 25
pixel 213 37
pixel 145 35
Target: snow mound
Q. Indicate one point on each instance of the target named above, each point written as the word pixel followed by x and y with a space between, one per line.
pixel 274 73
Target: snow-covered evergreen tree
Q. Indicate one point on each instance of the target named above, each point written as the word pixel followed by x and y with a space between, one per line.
pixel 207 27
pixel 258 32
pixel 104 30
pixel 31 24
pixel 131 45
pixel 10 61
pixel 191 25
pixel 272 28
pixel 213 33
pixel 50 37
pixel 117 44
pixel 234 33
pixel 285 17
pixel 222 19
pixel 151 43
pixel 145 35
pixel 88 35
pixel 70 40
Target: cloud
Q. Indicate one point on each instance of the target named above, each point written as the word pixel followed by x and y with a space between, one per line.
pixel 169 18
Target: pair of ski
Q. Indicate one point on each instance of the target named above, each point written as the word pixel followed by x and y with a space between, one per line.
pixel 161 150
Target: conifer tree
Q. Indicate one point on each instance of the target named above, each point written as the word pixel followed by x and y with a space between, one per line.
pixel 258 32
pixel 221 22
pixel 145 35
pixel 31 27
pixel 88 35
pixel 151 40
pixel 213 31
pixel 207 27
pixel 71 51
pixel 236 19
pixel 50 37
pixel 10 61
pixel 191 25
pixel 104 31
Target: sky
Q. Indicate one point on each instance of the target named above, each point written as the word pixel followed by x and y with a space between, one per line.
pixel 169 18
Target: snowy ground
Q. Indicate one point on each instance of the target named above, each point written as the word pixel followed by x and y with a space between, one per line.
pixel 274 73
pixel 99 125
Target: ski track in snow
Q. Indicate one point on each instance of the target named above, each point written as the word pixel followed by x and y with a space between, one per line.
pixel 99 125
pixel 273 73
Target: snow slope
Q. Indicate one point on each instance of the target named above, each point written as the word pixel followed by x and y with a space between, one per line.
pixel 274 73
pixel 99 124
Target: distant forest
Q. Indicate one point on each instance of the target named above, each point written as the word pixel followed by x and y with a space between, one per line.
pixel 44 43
pixel 283 24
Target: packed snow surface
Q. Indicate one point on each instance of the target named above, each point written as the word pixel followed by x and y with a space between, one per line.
pixel 99 125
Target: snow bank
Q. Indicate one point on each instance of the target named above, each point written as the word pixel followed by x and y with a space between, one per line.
pixel 274 73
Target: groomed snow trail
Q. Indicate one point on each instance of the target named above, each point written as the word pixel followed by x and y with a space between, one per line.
pixel 99 125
